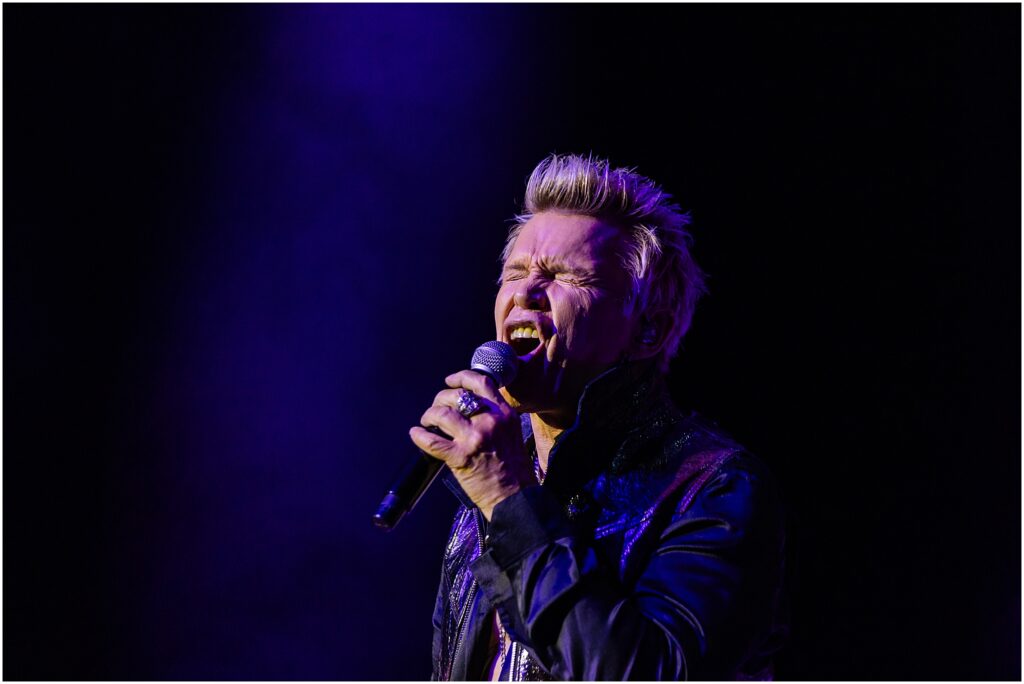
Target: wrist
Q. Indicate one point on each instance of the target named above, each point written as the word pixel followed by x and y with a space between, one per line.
pixel 487 508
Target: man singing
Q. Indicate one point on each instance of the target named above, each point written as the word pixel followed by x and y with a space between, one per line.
pixel 622 538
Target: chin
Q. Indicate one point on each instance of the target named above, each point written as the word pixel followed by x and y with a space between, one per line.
pixel 518 401
pixel 533 397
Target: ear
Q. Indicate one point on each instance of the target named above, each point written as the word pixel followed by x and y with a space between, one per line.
pixel 650 335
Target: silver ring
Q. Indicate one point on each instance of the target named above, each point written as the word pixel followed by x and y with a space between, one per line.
pixel 468 404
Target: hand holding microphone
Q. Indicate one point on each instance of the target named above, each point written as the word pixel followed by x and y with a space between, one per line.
pixel 473 430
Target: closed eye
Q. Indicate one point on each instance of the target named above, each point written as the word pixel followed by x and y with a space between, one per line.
pixel 557 272
pixel 513 273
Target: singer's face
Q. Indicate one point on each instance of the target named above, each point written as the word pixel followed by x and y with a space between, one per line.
pixel 563 307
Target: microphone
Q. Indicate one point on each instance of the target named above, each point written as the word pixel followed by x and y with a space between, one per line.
pixel 497 361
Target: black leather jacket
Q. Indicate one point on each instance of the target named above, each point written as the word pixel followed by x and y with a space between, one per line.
pixel 653 551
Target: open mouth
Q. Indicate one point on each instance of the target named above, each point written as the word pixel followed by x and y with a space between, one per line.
pixel 524 339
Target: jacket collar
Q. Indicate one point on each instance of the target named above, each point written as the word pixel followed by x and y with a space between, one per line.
pixel 617 413
pixel 616 399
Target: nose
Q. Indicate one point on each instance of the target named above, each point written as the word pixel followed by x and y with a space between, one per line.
pixel 531 295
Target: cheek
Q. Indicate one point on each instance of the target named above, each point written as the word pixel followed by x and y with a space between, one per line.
pixel 576 309
pixel 594 326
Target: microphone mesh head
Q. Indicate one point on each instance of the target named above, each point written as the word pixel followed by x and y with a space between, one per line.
pixel 496 359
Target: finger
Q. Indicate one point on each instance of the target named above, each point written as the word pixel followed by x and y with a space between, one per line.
pixel 477 383
pixel 448 419
pixel 451 398
pixel 448 397
pixel 434 445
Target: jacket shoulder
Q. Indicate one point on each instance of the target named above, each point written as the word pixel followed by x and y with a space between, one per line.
pixel 728 480
pixel 697 459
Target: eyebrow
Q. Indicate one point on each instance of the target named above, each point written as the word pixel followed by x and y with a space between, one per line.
pixel 547 263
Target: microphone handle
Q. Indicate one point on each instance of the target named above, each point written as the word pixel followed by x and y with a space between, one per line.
pixel 408 488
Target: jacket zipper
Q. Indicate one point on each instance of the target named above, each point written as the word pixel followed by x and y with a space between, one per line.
pixel 463 622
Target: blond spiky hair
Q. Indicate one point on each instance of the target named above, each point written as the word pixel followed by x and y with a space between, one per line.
pixel 665 276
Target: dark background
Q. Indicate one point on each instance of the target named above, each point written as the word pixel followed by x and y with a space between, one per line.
pixel 244 244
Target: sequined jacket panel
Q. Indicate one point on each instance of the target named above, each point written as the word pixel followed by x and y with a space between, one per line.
pixel 652 551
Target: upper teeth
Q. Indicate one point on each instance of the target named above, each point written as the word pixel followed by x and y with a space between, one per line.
pixel 520 333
